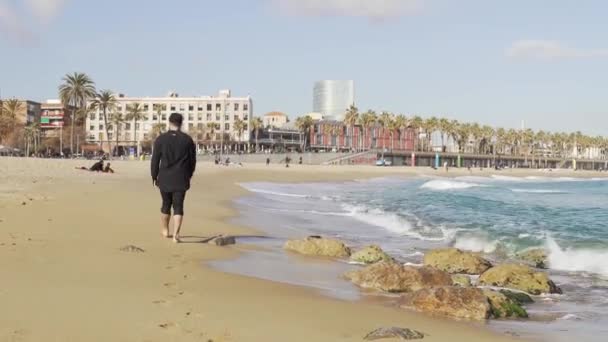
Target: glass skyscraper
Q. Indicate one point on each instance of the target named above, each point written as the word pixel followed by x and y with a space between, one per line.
pixel 333 98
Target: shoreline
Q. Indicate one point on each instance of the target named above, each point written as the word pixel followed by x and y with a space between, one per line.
pixel 165 292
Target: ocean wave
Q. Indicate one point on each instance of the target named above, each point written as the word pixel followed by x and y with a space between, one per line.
pixel 441 185
pixel 577 260
pixel 538 191
pixel 389 221
pixel 251 188
pixel 476 244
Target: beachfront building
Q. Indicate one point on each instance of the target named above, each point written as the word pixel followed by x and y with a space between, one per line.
pixel 53 118
pixel 333 98
pixel 28 113
pixel 330 135
pixel 214 122
pixel 315 116
pixel 275 119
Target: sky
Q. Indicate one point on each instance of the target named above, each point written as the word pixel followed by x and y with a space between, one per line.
pixel 499 62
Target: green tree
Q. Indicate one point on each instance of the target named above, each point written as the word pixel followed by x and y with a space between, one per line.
pixel 117 120
pixel 105 102
pixel 304 124
pixel 351 119
pixel 75 92
pixel 256 125
pixel 135 113
pixel 367 121
pixel 8 117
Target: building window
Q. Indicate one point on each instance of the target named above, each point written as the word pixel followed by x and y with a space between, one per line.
pixel 227 126
pixel 91 128
pixel 128 126
pixel 227 117
pixel 200 127
pixel 173 108
pixel 236 106
pixel 146 107
pixel 190 117
pixel 101 127
pixel 182 107
pixel 110 135
pixel 110 127
pixel 200 117
pixel 154 117
pixel 217 117
pixel 245 117
pixel 245 106
pixel 191 108
pixel 208 116
pixel 236 117
pixel 218 107
pixel 118 108
pixel 137 126
pixel 190 127
pixel 209 107
pixel 92 116
pixel 164 117
pixel 146 136
pixel 200 108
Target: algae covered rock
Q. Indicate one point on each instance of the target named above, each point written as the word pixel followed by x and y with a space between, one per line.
pixel 393 277
pixel 504 307
pixel 456 302
pixel 453 260
pixel 370 255
pixel 461 280
pixel 519 277
pixel 317 246
pixel 537 257
pixel 518 297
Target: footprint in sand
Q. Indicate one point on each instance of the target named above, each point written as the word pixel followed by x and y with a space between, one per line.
pixel 167 325
pixel 170 285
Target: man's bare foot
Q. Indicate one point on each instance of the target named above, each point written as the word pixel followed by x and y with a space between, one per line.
pixel 176 239
pixel 166 234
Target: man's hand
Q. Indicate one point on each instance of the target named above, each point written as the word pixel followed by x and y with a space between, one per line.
pixel 154 182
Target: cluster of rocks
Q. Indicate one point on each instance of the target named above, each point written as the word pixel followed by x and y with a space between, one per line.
pixel 443 285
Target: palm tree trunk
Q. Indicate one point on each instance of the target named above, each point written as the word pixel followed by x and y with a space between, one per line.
pixel 72 132
pixel 105 123
pixel 136 139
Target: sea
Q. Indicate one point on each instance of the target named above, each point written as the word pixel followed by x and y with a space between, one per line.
pixel 498 215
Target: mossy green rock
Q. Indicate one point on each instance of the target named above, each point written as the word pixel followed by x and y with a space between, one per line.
pixel 519 277
pixel 461 280
pixel 453 260
pixel 370 255
pixel 537 257
pixel 518 297
pixel 315 246
pixel 503 307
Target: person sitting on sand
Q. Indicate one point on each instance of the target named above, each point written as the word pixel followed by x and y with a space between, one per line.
pixel 173 164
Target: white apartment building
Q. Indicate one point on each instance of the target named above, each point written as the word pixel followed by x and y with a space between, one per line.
pixel 205 119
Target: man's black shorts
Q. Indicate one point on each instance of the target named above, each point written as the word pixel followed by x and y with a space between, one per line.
pixel 175 200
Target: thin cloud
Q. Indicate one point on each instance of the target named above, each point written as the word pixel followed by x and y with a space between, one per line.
pixel 550 50
pixel 373 9
pixel 18 22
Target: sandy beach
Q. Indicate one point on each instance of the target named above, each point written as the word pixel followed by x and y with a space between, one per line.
pixel 65 277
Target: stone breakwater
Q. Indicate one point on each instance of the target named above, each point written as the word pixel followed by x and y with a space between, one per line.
pixel 451 283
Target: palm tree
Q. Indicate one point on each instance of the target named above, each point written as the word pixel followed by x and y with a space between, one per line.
pixel 28 135
pixel 368 120
pixel 211 127
pixel 117 120
pixel 304 123
pixel 430 125
pixel 401 123
pixel 240 126
pixel 417 123
pixel 135 113
pixel 105 102
pixel 77 89
pixel 351 118
pixel 256 125
pixel 8 117
pixel 443 125
pixel 385 120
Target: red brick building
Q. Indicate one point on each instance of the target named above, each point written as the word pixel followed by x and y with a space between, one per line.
pixel 335 135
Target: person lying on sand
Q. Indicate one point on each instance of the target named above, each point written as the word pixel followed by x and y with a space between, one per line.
pixel 108 169
pixel 97 167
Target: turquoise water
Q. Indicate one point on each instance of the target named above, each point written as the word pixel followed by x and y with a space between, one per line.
pixel 498 215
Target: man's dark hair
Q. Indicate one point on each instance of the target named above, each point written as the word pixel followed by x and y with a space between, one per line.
pixel 176 119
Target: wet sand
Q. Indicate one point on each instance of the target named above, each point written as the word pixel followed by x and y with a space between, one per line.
pixel 65 278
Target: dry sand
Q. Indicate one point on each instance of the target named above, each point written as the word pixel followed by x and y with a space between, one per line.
pixel 64 277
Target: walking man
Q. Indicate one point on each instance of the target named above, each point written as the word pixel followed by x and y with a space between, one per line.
pixel 173 164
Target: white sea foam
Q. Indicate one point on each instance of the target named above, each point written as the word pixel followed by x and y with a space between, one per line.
pixel 538 191
pixel 389 221
pixel 252 188
pixel 442 185
pixel 476 244
pixel 577 260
